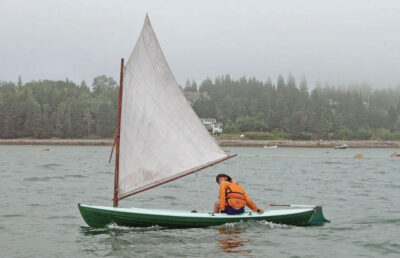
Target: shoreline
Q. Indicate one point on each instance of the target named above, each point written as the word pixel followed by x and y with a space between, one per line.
pixel 309 144
pixel 221 142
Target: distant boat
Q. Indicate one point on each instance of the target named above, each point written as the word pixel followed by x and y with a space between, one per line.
pixel 271 147
pixel 159 139
pixel 341 147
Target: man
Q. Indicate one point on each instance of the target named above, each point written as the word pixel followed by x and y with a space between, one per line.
pixel 232 197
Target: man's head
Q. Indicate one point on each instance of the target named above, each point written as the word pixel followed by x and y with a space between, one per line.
pixel 223 177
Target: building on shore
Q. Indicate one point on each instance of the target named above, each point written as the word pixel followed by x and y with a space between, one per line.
pixel 212 125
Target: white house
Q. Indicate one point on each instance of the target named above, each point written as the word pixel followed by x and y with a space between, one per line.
pixel 212 125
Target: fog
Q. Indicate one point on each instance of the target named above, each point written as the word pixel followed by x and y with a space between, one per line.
pixel 339 42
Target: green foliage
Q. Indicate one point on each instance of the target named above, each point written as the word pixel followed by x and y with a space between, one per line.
pixel 244 124
pixel 343 133
pixel 363 134
pixel 260 110
pixel 302 136
pixel 190 86
pixel 280 134
pixel 275 135
pixel 323 113
pixel 102 83
pixel 377 117
pixel 230 127
pixel 386 135
pixel 382 133
pixel 45 109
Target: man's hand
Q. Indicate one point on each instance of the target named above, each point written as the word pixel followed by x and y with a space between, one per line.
pixel 261 211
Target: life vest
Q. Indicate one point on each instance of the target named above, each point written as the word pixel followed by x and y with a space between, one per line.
pixel 234 195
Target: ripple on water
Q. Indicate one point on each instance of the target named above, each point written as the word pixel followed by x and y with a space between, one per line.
pixel 378 220
pixel 49 178
pixel 76 176
pixel 43 178
pixel 114 228
pixel 334 163
pixel 36 205
pixel 12 215
pixel 384 248
pixel 50 165
pixel 168 197
pixel 63 217
pixel 392 186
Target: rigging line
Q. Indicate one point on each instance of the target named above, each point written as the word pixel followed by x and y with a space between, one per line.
pixel 199 193
pixel 113 145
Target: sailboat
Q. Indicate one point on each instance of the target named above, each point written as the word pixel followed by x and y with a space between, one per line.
pixel 158 139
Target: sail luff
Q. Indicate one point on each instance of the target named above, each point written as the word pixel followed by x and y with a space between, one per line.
pixel 116 175
pixel 180 175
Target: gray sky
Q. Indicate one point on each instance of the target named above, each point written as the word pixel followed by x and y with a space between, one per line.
pixel 340 42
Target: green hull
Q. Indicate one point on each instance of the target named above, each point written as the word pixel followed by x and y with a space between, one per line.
pixel 99 216
pixel 318 217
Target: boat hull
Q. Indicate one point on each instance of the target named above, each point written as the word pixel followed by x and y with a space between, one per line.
pixel 100 216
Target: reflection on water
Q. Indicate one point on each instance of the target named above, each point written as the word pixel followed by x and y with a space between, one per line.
pixel 231 241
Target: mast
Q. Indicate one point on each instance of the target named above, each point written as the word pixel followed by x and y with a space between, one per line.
pixel 117 135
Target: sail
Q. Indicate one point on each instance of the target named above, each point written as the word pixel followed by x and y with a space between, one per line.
pixel 161 137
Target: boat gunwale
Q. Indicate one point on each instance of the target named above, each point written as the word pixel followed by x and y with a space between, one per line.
pixel 188 213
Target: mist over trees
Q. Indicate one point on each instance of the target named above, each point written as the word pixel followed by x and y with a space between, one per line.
pixel 290 110
pixel 283 109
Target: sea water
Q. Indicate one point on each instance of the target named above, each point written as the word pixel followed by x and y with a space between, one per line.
pixel 40 190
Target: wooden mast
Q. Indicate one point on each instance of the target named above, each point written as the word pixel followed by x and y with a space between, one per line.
pixel 117 135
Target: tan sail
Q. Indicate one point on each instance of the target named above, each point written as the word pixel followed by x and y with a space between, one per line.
pixel 161 136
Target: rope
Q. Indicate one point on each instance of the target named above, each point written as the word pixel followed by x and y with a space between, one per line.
pixel 199 195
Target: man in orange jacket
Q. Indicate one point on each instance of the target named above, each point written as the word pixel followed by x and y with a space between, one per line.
pixel 232 197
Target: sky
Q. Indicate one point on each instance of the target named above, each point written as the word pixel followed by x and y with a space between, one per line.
pixel 336 42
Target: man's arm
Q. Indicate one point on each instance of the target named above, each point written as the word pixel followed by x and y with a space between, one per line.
pixel 250 203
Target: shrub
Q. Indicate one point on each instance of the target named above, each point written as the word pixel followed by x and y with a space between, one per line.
pixel 344 133
pixel 275 135
pixel 303 136
pixel 362 134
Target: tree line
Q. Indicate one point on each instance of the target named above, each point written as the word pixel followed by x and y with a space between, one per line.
pixel 264 110
pixel 44 109
pixel 287 109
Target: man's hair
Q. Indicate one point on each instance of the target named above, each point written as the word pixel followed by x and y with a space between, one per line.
pixel 223 175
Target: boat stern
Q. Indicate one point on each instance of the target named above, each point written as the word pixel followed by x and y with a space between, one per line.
pixel 318 217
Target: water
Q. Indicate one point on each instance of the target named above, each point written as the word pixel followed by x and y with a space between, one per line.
pixel 39 192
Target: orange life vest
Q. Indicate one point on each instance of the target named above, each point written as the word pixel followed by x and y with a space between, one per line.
pixel 234 195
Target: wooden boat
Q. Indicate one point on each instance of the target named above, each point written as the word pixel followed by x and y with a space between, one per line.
pixel 100 216
pixel 158 139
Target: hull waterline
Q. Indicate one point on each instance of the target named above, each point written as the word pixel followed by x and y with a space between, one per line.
pixel 101 216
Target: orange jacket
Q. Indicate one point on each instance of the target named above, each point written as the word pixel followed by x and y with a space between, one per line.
pixel 232 194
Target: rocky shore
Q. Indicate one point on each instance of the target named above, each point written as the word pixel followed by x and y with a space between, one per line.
pixel 82 142
pixel 310 144
pixel 221 142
